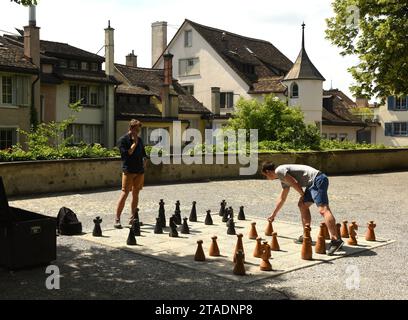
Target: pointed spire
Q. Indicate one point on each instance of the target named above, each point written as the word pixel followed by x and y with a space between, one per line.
pixel 303 35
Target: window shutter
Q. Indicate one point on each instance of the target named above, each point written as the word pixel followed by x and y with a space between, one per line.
pixel 101 96
pixel 391 102
pixel 388 129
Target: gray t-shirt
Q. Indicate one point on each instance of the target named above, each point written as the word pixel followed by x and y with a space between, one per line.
pixel 305 175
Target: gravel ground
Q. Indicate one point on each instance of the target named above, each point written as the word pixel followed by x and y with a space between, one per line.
pixel 90 271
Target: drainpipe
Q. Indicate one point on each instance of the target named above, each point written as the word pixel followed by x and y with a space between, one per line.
pixel 115 114
pixel 33 112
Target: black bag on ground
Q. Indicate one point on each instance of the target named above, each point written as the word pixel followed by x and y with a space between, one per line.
pixel 68 223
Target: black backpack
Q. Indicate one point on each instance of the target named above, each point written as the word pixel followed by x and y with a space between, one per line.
pixel 68 223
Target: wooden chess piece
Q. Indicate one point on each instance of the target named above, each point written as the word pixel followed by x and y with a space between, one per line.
pixel 173 228
pixel 208 220
pixel 269 229
pixel 214 250
pixel 162 215
pixel 252 232
pixel 231 227
pixel 199 255
pixel 131 240
pixel 241 213
pixel 370 235
pixel 258 248
pixel 274 242
pixel 239 268
pixel 338 230
pixel 238 246
pixel 266 254
pixel 344 230
pixel 307 248
pixel 322 230
pixel 306 232
pixel 97 231
pixel 225 215
pixel 136 216
pixel 136 227
pixel 193 213
pixel 320 247
pixel 177 213
pixel 352 241
pixel 158 229
pixel 230 213
pixel 184 228
pixel 326 233
pixel 222 208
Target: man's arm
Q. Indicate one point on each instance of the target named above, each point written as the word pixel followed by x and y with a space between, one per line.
pixel 279 203
pixel 290 181
pixel 133 146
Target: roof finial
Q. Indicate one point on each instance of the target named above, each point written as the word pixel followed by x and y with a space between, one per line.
pixel 303 35
pixel 108 23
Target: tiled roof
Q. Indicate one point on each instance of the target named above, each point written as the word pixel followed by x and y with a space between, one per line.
pixel 12 58
pixel 92 76
pixel 303 68
pixel 272 84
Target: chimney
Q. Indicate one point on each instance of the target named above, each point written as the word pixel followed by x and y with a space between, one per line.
pixel 167 85
pixel 159 39
pixel 109 50
pixel 131 60
pixel 32 39
pixel 215 100
pixel 168 69
pixel 362 102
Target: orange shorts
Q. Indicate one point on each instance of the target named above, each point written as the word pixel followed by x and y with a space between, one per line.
pixel 132 181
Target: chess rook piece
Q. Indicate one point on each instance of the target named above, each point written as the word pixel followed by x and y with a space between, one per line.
pixel 239 246
pixel 136 227
pixel 177 213
pixel 158 229
pixel 97 231
pixel 258 248
pixel 226 215
pixel 231 227
pixel 131 240
pixel 208 220
pixel 239 268
pixel 266 254
pixel 193 213
pixel 252 232
pixel 162 215
pixel 338 230
pixel 241 213
pixel 214 250
pixel 274 242
pixel 173 227
pixel 222 208
pixel 268 229
pixel 199 255
pixel 326 233
pixel 370 235
pixel 344 230
pixel 307 249
pixel 352 234
pixel 320 247
pixel 184 228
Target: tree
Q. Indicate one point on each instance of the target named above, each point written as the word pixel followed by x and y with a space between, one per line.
pixel 25 2
pixel 376 31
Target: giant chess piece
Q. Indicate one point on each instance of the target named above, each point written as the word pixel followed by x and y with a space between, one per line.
pixel 352 241
pixel 173 228
pixel 230 213
pixel 370 235
pixel 184 228
pixel 193 213
pixel 136 227
pixel 241 213
pixel 274 242
pixel 214 250
pixel 158 229
pixel 266 254
pixel 97 231
pixel 208 220
pixel 136 216
pixel 239 246
pixel 222 208
pixel 230 220
pixel 252 232
pixel 338 230
pixel 322 230
pixel 344 229
pixel 320 247
pixel 269 229
pixel 306 232
pixel 231 227
pixel 199 255
pixel 258 248
pixel 177 213
pixel 307 252
pixel 326 233
pixel 162 215
pixel 131 240
pixel 226 215
pixel 239 268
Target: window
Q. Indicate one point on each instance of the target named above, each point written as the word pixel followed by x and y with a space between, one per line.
pixel 94 66
pixel 189 89
pixel 63 64
pixel 7 90
pixel 15 90
pixel 84 65
pixel 84 95
pixel 226 100
pixel 73 64
pixel 8 137
pixel 400 129
pixel 188 67
pixel 401 103
pixel 248 68
pixel 188 38
pixel 294 91
pixel 73 94
pixel 332 136
pixel 342 136
pixel 93 95
pixel 84 133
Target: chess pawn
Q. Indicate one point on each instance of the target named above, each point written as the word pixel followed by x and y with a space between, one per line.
pixel 158 229
pixel 344 230
pixel 131 240
pixel 338 230
pixel 222 208
pixel 214 250
pixel 326 233
pixel 307 249
pixel 268 229
pixel 266 254
pixel 352 234
pixel 231 227
pixel 97 231
pixel 370 235
pixel 208 220
pixel 226 215
pixel 322 230
pixel 136 227
pixel 274 242
pixel 239 268
pixel 193 213
pixel 199 255
pixel 239 246
pixel 258 248
pixel 241 213
pixel 162 215
pixel 184 228
pixel 320 247
pixel 177 213
pixel 252 232
pixel 173 228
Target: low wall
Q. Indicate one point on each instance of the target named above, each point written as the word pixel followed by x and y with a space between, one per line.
pixel 24 178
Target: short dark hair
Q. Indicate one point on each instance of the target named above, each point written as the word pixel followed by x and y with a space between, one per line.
pixel 135 123
pixel 268 166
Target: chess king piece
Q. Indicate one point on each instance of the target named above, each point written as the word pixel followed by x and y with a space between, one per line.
pixel 214 250
pixel 320 247
pixel 370 235
pixel 239 246
pixel 231 227
pixel 131 240
pixel 326 233
pixel 177 213
pixel 97 231
pixel 222 208
pixel 193 213
pixel 208 220
pixel 241 213
pixel 307 253
pixel 268 229
pixel 352 234
pixel 162 215
pixel 252 232
pixel 239 268
pixel 344 229
pixel 199 255
pixel 338 230
pixel 173 228
pixel 274 242
pixel 266 254
pixel 258 248
pixel 158 229
pixel 226 215
pixel 184 228
pixel 136 227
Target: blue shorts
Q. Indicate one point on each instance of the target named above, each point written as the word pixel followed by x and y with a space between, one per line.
pixel 317 193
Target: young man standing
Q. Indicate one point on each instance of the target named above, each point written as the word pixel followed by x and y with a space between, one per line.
pixel 315 183
pixel 134 159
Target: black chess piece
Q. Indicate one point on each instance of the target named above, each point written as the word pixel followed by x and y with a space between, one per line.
pixel 131 240
pixel 222 208
pixel 226 215
pixel 136 217
pixel 208 220
pixel 158 229
pixel 177 213
pixel 136 227
pixel 193 213
pixel 184 228
pixel 173 227
pixel 231 227
pixel 241 214
pixel 97 231
pixel 162 215
pixel 231 213
pixel 230 220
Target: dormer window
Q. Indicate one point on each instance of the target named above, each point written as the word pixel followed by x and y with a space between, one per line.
pixel 84 65
pixel 248 68
pixel 294 90
pixel 94 66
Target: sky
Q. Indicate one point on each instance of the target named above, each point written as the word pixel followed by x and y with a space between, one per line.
pixel 81 23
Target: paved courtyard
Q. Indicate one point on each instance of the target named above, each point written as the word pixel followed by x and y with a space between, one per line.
pixel 92 270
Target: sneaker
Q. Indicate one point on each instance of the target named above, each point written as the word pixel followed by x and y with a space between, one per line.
pixel 117 224
pixel 335 245
pixel 299 240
